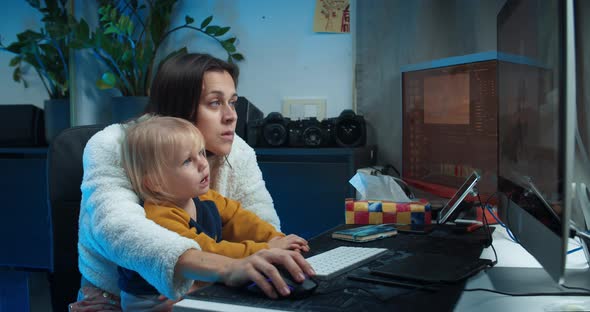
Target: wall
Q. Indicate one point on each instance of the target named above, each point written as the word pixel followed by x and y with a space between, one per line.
pixel 15 18
pixel 284 57
pixel 391 34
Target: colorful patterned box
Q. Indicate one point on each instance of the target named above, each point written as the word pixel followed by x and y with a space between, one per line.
pixel 378 212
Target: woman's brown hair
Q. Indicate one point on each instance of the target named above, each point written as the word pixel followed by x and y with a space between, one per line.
pixel 176 89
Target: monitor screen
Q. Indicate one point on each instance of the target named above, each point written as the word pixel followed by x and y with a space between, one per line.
pixel 581 172
pixel 450 124
pixel 534 113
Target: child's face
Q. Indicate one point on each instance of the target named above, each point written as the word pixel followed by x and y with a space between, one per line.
pixel 187 174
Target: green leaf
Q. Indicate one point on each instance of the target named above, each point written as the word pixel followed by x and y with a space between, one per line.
pixel 17 74
pixel 14 61
pixel 212 30
pixel 188 20
pixel 127 56
pixel 113 14
pixel 34 3
pixel 222 31
pixel 111 30
pixel 206 21
pixel 231 40
pixel 238 56
pixel 29 36
pixel 109 78
pixel 228 46
pixel 102 85
pixel 82 30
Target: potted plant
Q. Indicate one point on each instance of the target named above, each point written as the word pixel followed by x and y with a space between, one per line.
pixel 127 41
pixel 45 50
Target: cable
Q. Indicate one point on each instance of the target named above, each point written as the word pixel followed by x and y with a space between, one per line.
pixel 504 225
pixel 565 293
pixel 574 250
pixel 578 288
pixel 487 228
pixel 488 208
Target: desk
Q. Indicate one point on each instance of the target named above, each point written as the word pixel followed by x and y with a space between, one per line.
pixel 524 275
pixel 518 272
pixel 342 294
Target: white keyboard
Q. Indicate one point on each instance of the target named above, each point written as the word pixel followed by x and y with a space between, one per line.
pixel 342 259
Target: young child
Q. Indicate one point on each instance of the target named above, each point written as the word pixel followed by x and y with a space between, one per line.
pixel 165 159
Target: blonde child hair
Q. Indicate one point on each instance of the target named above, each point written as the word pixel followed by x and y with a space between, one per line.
pixel 149 148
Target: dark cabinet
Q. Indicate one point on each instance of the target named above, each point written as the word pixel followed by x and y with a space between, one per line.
pixel 308 186
pixel 25 225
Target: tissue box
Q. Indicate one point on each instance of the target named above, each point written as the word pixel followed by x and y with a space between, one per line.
pixel 381 211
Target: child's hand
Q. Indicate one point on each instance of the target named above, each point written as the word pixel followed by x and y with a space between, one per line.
pixel 292 242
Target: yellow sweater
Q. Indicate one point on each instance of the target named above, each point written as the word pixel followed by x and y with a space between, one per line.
pixel 243 232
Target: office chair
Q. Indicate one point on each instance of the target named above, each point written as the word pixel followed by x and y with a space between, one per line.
pixel 64 176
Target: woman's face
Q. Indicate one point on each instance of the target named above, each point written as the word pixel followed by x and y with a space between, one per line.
pixel 216 114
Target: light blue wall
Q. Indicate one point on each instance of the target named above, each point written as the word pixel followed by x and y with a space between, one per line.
pixel 15 17
pixel 284 57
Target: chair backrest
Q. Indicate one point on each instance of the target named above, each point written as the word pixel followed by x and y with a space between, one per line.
pixel 64 176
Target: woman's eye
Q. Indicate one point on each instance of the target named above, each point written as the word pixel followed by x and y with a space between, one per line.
pixel 233 103
pixel 215 103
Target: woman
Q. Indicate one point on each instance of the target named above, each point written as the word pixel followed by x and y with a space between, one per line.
pixel 201 89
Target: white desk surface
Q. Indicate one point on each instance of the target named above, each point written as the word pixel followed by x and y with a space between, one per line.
pixel 510 255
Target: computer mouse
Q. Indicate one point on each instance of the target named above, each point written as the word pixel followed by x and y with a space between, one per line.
pixel 298 290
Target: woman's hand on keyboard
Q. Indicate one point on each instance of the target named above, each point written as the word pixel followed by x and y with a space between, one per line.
pixel 289 242
pixel 261 269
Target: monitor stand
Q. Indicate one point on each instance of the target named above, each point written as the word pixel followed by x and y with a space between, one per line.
pixel 535 280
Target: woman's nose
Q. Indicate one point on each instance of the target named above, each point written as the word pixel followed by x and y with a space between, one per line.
pixel 229 113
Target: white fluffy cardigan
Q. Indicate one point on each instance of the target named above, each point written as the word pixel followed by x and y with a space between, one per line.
pixel 113 228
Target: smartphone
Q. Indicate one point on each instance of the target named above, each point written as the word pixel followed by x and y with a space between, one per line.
pixel 414 228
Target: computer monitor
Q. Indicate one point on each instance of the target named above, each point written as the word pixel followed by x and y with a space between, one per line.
pixel 449 109
pixel 542 131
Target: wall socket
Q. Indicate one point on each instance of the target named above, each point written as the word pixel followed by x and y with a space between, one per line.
pixel 298 108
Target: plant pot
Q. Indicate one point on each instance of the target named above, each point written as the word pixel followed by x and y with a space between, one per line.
pixel 124 108
pixel 57 117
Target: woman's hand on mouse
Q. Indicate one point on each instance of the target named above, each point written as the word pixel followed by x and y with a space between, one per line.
pixel 260 268
pixel 290 242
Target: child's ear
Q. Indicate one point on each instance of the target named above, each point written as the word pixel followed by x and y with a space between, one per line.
pixel 150 184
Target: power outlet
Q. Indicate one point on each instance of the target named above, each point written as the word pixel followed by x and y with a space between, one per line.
pixel 304 108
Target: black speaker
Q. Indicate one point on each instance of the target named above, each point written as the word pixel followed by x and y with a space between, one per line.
pixel 246 112
pixel 21 126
